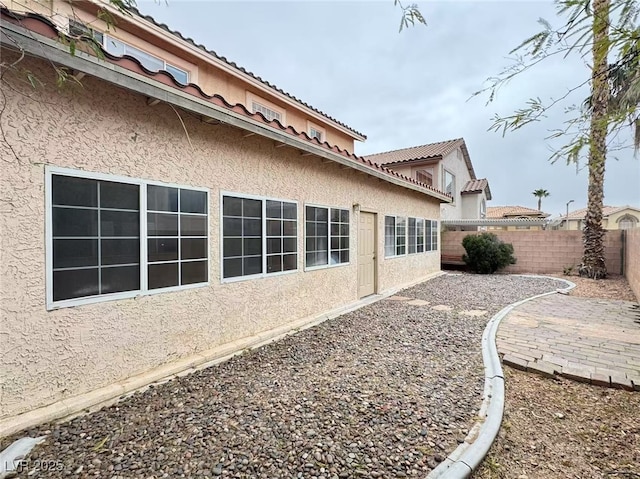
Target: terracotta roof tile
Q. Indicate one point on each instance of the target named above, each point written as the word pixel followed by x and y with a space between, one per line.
pixel 43 26
pixel 422 152
pixel 189 40
pixel 509 211
pixel 606 211
pixel 475 186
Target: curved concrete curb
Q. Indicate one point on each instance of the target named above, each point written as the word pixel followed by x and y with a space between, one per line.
pixel 468 455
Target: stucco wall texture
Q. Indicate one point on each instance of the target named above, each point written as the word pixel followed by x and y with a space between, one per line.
pixel 543 251
pixel 51 355
pixel 632 260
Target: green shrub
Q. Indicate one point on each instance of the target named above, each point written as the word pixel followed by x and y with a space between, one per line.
pixel 486 254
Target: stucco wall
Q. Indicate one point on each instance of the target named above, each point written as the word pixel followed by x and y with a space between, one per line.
pixel 543 251
pixel 470 205
pixel 454 162
pixel 48 356
pixel 610 223
pixel 632 260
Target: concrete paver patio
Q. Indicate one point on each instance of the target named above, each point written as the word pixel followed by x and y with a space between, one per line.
pixel 589 340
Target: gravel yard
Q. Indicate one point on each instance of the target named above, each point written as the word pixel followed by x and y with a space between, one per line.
pixel 385 391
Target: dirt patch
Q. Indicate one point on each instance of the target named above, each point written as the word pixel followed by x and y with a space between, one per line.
pixel 559 428
pixel 614 287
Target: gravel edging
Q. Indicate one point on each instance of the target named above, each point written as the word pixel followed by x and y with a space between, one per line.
pixel 468 455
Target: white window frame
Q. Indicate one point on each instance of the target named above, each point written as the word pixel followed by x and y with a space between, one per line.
pixel 424 235
pixel 107 37
pixel 329 249
pixel 311 127
pixel 444 183
pixel 434 232
pixel 264 273
pixel 252 98
pixel 50 171
pixel 395 236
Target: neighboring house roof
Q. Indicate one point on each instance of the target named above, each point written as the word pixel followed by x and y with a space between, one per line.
pixel 424 152
pixel 606 211
pixel 476 186
pixel 510 211
pixel 213 104
pixel 189 40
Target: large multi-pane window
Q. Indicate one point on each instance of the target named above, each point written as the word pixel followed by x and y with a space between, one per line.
pixel 431 235
pixel 282 236
pixel 395 236
pixel 409 235
pixel 259 236
pixel 177 236
pixel 326 236
pixel 420 236
pixel 415 235
pixel 412 235
pixel 434 235
pixel 111 237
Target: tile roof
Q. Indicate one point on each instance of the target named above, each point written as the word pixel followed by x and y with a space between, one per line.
pixel 507 211
pixel 422 152
pixel 189 40
pixel 476 186
pixel 43 26
pixel 434 151
pixel 606 211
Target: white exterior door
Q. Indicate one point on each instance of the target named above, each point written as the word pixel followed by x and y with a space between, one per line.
pixel 367 254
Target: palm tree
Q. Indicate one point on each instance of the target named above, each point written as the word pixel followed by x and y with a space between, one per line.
pixel 540 193
pixel 593 263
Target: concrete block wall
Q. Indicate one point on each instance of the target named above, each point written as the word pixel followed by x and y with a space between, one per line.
pixel 632 260
pixel 543 252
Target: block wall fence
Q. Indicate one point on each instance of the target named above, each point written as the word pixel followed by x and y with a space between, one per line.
pixel 544 252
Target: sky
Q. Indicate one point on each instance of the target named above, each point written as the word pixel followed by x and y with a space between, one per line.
pixel 409 88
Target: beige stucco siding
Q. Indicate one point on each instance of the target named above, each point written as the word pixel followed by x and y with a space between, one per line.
pixel 454 163
pixel 611 222
pixel 51 355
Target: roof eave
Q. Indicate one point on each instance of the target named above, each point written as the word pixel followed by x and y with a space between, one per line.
pixel 467 159
pixel 143 22
pixel 425 159
pixel 40 46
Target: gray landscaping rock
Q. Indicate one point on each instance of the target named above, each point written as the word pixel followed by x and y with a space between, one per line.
pixel 384 391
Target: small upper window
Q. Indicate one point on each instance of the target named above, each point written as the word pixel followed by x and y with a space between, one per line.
pixel 316 131
pixel 425 176
pixel 79 29
pixel 313 133
pixel 267 112
pixel 150 62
